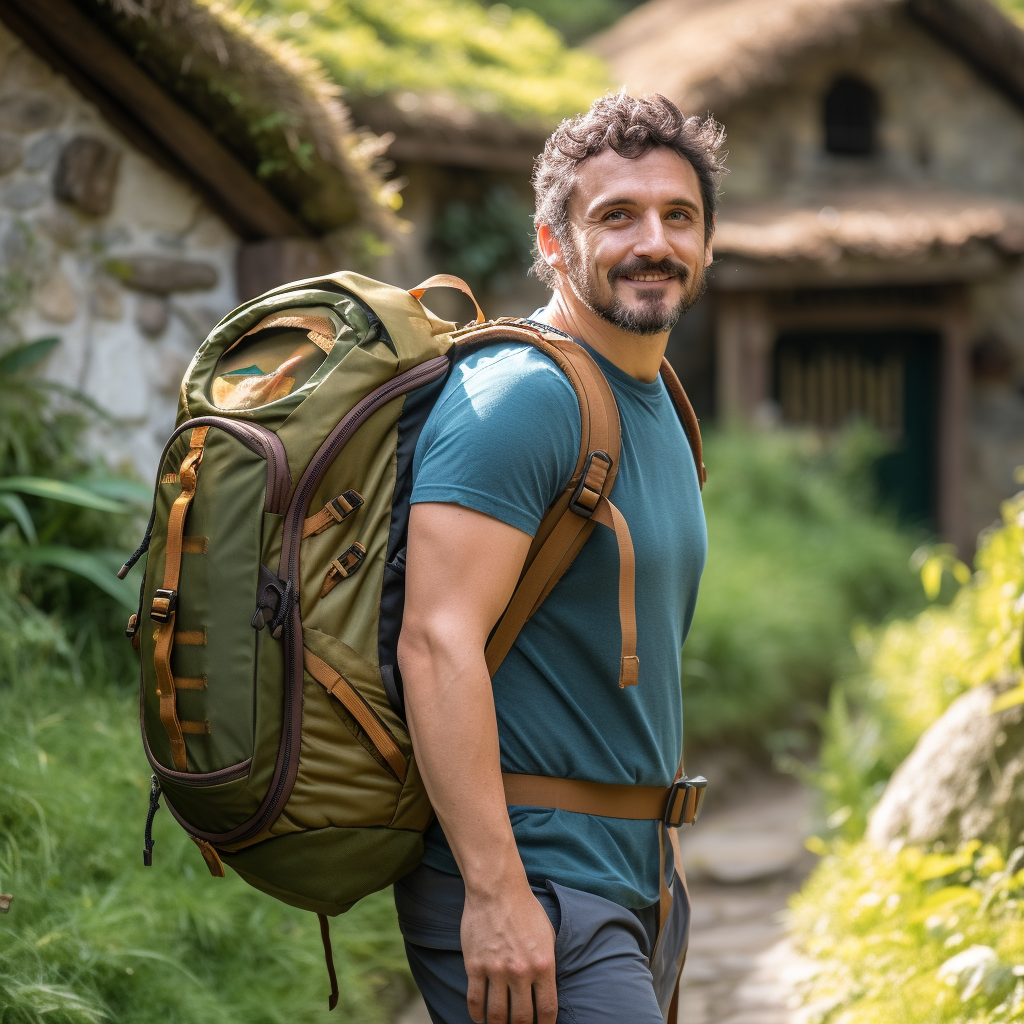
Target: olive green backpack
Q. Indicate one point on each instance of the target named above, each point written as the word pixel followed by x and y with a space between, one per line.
pixel 272 709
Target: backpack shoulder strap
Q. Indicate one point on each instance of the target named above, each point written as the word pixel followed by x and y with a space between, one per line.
pixel 582 505
pixel 688 418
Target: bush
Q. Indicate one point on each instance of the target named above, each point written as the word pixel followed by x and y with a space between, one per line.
pixel 913 669
pixel 915 937
pixel 919 935
pixel 797 553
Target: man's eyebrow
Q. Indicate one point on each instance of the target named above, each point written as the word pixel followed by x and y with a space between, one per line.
pixel 629 201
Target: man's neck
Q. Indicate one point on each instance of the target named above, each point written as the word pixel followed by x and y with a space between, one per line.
pixel 639 355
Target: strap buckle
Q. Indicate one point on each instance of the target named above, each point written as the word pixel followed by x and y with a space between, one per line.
pixel 588 491
pixel 344 504
pixel 347 563
pixel 684 799
pixel 164 604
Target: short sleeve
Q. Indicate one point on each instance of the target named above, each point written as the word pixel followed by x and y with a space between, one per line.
pixel 503 438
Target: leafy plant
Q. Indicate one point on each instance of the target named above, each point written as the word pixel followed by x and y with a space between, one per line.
pixel 915 936
pixel 911 671
pixel 47 526
pixel 488 243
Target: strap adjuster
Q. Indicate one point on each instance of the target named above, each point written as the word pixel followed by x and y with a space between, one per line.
pixel 684 799
pixel 164 604
pixel 588 491
pixel 347 563
pixel 344 504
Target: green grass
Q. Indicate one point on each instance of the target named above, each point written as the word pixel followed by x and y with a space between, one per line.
pixel 92 935
pixel 797 555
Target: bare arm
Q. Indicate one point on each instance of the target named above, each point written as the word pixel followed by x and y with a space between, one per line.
pixel 462 567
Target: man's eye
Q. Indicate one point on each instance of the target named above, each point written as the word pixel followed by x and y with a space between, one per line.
pixel 616 215
pixel 678 215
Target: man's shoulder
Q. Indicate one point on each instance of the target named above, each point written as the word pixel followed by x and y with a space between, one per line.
pixel 511 370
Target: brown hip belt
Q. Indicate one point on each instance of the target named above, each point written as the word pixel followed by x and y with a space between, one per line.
pixel 678 804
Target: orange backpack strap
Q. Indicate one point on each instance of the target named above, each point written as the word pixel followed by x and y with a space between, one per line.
pixel 688 418
pixel 583 504
pixel 165 603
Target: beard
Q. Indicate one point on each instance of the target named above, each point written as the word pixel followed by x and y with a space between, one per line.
pixel 651 316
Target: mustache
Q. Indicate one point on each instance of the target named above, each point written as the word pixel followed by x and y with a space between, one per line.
pixel 640 265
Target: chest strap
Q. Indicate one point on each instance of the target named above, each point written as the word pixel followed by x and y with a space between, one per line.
pixel 678 804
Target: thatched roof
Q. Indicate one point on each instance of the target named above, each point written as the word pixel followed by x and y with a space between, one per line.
pixel 435 128
pixel 256 127
pixel 707 54
pixel 884 223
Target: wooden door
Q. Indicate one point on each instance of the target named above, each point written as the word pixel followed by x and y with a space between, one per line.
pixel 888 378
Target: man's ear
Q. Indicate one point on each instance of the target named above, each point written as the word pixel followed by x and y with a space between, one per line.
pixel 708 256
pixel 550 248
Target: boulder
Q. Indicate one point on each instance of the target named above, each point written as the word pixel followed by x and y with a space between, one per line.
pixel 23 194
pixel 29 111
pixel 151 315
pixel 86 175
pixel 55 299
pixel 163 275
pixel 10 152
pixel 964 779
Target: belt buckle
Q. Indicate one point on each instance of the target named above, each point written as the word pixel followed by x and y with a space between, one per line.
pixel 684 800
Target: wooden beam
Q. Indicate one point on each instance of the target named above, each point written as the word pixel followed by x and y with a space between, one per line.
pixel 147 116
pixel 983 35
pixel 954 403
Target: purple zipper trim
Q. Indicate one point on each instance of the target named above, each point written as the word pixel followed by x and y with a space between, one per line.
pixel 257 439
pixel 229 774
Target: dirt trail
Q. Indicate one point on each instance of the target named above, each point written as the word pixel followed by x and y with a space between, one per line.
pixel 744 859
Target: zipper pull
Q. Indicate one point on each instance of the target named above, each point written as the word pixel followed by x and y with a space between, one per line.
pixel 154 803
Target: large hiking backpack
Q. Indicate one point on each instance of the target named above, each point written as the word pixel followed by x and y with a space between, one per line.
pixel 271 707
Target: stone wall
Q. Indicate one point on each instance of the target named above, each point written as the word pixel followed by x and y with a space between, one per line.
pixel 940 124
pixel 124 262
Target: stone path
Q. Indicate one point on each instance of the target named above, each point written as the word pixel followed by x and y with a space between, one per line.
pixel 743 862
pixel 744 859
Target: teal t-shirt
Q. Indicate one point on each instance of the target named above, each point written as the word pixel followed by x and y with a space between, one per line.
pixel 503 439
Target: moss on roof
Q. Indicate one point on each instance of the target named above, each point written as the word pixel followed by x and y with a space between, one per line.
pixel 273 107
pixel 493 59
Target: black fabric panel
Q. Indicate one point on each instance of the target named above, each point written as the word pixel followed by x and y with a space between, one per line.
pixel 417 408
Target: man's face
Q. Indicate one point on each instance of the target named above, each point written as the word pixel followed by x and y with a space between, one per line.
pixel 636 252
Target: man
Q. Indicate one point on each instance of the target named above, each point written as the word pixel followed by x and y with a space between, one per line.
pixel 523 913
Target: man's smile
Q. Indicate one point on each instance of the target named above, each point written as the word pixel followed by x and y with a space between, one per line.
pixel 649 278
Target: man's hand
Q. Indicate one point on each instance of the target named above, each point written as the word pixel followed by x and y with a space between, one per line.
pixel 509 948
pixel 462 567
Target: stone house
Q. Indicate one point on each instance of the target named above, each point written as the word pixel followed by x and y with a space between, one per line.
pixel 157 165
pixel 868 248
pixel 450 158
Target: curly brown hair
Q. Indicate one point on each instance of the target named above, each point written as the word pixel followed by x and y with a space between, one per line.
pixel 631 127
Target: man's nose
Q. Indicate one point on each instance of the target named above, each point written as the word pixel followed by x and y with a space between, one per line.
pixel 651 241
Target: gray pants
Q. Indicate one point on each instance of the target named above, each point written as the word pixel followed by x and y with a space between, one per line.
pixel 603 963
